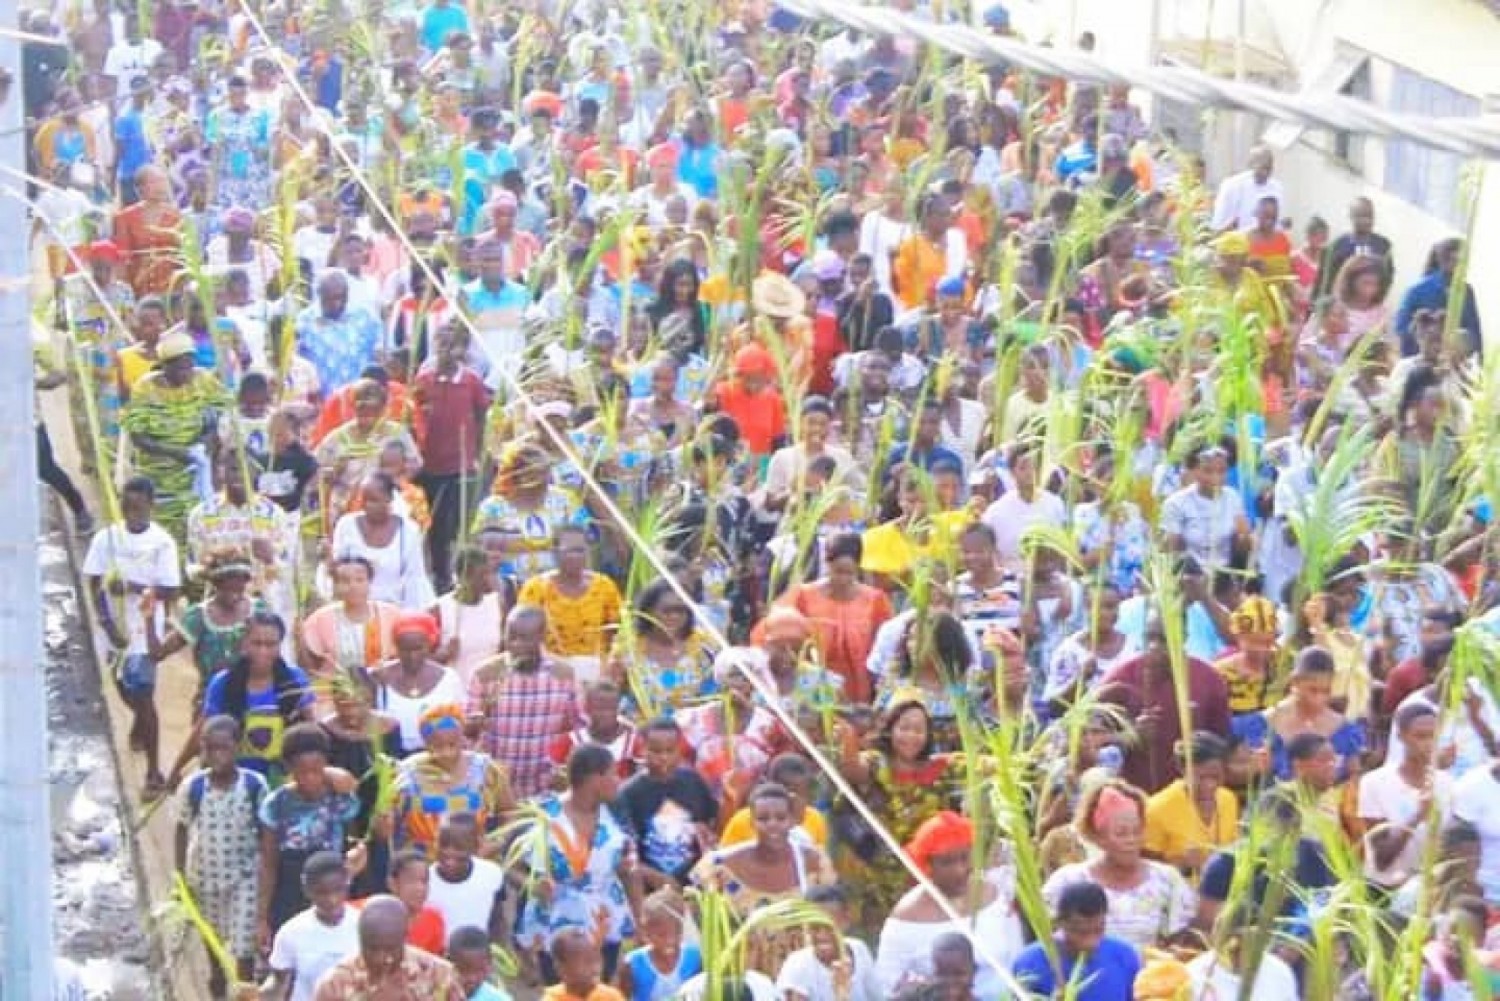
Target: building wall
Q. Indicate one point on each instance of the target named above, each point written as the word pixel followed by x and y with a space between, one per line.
pixel 1448 42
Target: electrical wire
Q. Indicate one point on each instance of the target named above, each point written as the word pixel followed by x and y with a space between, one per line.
pixel 1473 136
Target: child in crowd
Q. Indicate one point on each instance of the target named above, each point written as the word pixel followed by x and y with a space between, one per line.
pixel 216 843
pixel 133 570
pixel 580 967
pixel 309 814
pixel 833 967
pixel 469 952
pixel 466 890
pixel 317 939
pixel 604 725
pixel 795 773
pixel 408 884
pixel 668 808
pixel 657 970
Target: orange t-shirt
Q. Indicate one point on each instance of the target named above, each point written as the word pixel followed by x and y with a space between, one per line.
pixel 734 114
pixel 425 930
pixel 761 417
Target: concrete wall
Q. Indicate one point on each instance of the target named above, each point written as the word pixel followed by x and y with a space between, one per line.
pixel 1449 41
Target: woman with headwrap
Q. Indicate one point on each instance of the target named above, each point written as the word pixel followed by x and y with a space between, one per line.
pixel 237 249
pixel 1149 902
pixel 446 778
pixel 943 848
pixel 411 683
pixel 732 737
pixel 905 783
pixel 525 510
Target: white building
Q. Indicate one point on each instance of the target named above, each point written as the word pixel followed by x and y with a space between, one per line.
pixel 1423 57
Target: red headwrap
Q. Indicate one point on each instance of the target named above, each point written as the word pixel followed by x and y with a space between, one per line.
pixel 939 835
pixel 417 622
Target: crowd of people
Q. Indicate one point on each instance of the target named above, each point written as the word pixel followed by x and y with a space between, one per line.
pixel 626 473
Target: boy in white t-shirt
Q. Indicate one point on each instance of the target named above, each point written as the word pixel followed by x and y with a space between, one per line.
pixel 464 889
pixel 133 571
pixel 817 972
pixel 319 938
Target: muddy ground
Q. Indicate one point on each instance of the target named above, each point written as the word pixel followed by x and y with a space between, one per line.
pixel 99 922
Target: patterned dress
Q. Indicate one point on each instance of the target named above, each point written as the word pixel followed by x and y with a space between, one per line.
pixel 875 878
pixel 766 950
pixel 359 453
pixel 535 527
pixel 97 343
pixel 242 147
pixel 426 792
pixel 587 891
pixel 215 647
pixel 177 416
pixel 665 686
pixel 223 858
pixel 301 827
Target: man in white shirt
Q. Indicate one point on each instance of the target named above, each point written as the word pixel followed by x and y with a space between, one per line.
pixel 134 55
pixel 132 571
pixel 318 939
pixel 1016 510
pixel 1239 194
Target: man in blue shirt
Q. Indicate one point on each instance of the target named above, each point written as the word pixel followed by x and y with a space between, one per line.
pixel 132 148
pixel 925 450
pixel 439 19
pixel 339 340
pixel 1431 292
pixel 1104 968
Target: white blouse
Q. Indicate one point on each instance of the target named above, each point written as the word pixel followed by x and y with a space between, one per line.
pixel 400 568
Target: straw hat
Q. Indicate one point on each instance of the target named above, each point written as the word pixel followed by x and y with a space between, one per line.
pixel 173 345
pixel 777 296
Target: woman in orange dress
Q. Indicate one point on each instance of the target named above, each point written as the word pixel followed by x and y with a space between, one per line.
pixel 846 613
pixel 147 233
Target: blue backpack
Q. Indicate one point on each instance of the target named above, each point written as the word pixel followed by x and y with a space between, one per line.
pixel 252 782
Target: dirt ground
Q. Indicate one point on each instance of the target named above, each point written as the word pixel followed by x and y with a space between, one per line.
pixel 103 921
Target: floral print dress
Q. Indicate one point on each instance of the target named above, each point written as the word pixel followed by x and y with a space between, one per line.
pixel 873 876
pixel 587 890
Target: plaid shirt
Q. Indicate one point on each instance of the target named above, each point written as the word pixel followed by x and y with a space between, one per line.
pixel 524 712
pixel 421 978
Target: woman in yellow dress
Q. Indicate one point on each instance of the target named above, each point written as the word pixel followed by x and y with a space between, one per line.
pixel 582 605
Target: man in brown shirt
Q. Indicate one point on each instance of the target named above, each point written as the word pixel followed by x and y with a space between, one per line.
pixel 387 969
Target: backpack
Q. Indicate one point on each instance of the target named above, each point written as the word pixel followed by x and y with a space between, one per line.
pixel 252 782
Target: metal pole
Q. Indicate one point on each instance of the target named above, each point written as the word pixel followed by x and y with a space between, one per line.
pixel 25 829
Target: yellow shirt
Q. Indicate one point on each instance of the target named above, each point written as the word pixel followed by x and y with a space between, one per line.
pixel 576 627
pixel 890 550
pixel 1173 824
pixel 134 365
pixel 741 829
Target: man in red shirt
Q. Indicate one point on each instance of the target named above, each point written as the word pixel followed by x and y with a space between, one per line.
pixel 450 403
pixel 1416 673
pixel 1143 687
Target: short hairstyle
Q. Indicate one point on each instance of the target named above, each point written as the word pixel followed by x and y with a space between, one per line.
pixel 1082 900
pixel 469 939
pixel 321 865
pixel 587 761
pixel 1303 746
pixel 304 738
